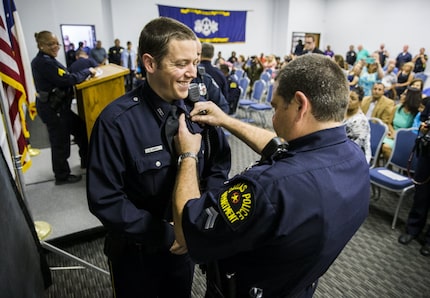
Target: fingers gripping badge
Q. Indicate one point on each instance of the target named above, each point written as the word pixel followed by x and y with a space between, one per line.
pixel 237 204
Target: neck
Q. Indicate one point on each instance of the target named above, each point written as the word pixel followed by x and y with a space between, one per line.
pixel 351 112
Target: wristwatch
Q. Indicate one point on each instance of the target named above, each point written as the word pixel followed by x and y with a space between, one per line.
pixel 186 155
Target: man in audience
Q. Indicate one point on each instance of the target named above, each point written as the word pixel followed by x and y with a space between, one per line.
pixel 378 105
pixel 390 79
pixel 310 46
pixel 403 57
pixel 98 53
pixel 383 54
pixel 420 61
pixel 277 227
pixel 351 56
pixel 362 53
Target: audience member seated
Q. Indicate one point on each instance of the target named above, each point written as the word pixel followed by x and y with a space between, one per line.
pixel 404 77
pixel 341 62
pixel 419 84
pixel 353 75
pixel 420 61
pixel 390 80
pixel 402 116
pixel 403 57
pixel 370 74
pixel 378 105
pixel 356 124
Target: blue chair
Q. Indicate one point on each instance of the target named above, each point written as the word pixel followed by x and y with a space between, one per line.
pixel 378 131
pixel 401 159
pixel 266 77
pixel 426 91
pixel 256 95
pixel 422 76
pixel 261 107
pixel 239 73
pixel 244 83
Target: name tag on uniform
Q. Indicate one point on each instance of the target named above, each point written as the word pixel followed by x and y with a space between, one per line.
pixel 153 149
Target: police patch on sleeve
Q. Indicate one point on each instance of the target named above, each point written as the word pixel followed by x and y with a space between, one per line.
pixel 236 204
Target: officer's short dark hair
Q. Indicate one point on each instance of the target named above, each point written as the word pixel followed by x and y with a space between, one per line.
pixel 156 35
pixel 224 68
pixel 321 80
pixel 208 50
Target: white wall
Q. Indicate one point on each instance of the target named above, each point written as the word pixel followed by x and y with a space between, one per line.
pixel 270 23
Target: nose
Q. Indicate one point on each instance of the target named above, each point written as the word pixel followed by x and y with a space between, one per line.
pixel 192 70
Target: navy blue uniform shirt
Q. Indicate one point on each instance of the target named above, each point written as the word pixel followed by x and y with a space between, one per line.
pixel 281 224
pixel 131 171
pixel 48 73
pixel 211 91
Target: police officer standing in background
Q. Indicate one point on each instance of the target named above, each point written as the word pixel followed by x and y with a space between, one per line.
pixel 233 89
pixel 133 164
pixel 54 85
pixel 115 52
pixel 278 226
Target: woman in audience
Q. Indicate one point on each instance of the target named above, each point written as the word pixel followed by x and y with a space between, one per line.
pixel 404 77
pixel 356 123
pixel 370 74
pixel 353 75
pixel 403 116
pixel 419 84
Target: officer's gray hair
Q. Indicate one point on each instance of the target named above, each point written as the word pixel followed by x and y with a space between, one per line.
pixel 321 80
pixel 156 35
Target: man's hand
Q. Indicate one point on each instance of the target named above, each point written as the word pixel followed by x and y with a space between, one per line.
pixel 208 112
pixel 178 249
pixel 185 141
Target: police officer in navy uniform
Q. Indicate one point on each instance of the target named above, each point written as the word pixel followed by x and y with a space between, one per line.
pixel 277 227
pixel 133 164
pixel 233 89
pixel 54 86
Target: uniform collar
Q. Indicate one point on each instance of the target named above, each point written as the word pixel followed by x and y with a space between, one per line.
pixel 319 139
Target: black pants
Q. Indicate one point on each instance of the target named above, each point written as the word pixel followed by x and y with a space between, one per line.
pixel 420 208
pixel 161 275
pixel 61 124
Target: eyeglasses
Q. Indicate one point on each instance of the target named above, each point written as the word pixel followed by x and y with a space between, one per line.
pixel 308 42
pixel 53 44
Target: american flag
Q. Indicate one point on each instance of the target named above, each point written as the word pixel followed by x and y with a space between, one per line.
pixel 15 74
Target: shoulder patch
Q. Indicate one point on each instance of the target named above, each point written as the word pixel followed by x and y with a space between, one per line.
pixel 233 85
pixel 61 72
pixel 237 203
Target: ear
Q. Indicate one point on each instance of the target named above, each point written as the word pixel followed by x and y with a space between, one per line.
pixel 149 63
pixel 303 105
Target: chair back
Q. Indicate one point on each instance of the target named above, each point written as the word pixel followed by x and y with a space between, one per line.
pixel 404 143
pixel 265 76
pixel 427 91
pixel 421 75
pixel 244 83
pixel 269 93
pixel 239 73
pixel 258 90
pixel 378 131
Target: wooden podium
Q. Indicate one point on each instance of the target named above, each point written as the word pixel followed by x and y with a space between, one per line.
pixel 95 94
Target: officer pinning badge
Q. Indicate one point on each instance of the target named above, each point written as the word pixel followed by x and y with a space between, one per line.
pixel 237 204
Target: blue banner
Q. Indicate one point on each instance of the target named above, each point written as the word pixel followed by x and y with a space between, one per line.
pixel 214 26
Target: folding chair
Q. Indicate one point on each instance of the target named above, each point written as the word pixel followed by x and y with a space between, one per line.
pixel 394 175
pixel 378 131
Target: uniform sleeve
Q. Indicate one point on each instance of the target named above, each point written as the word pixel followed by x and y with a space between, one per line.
pixel 234 219
pixel 217 163
pixel 51 72
pixel 107 199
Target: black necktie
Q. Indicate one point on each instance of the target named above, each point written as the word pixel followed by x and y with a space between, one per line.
pixel 171 125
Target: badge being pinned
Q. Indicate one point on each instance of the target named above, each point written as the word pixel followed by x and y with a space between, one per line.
pixel 237 204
